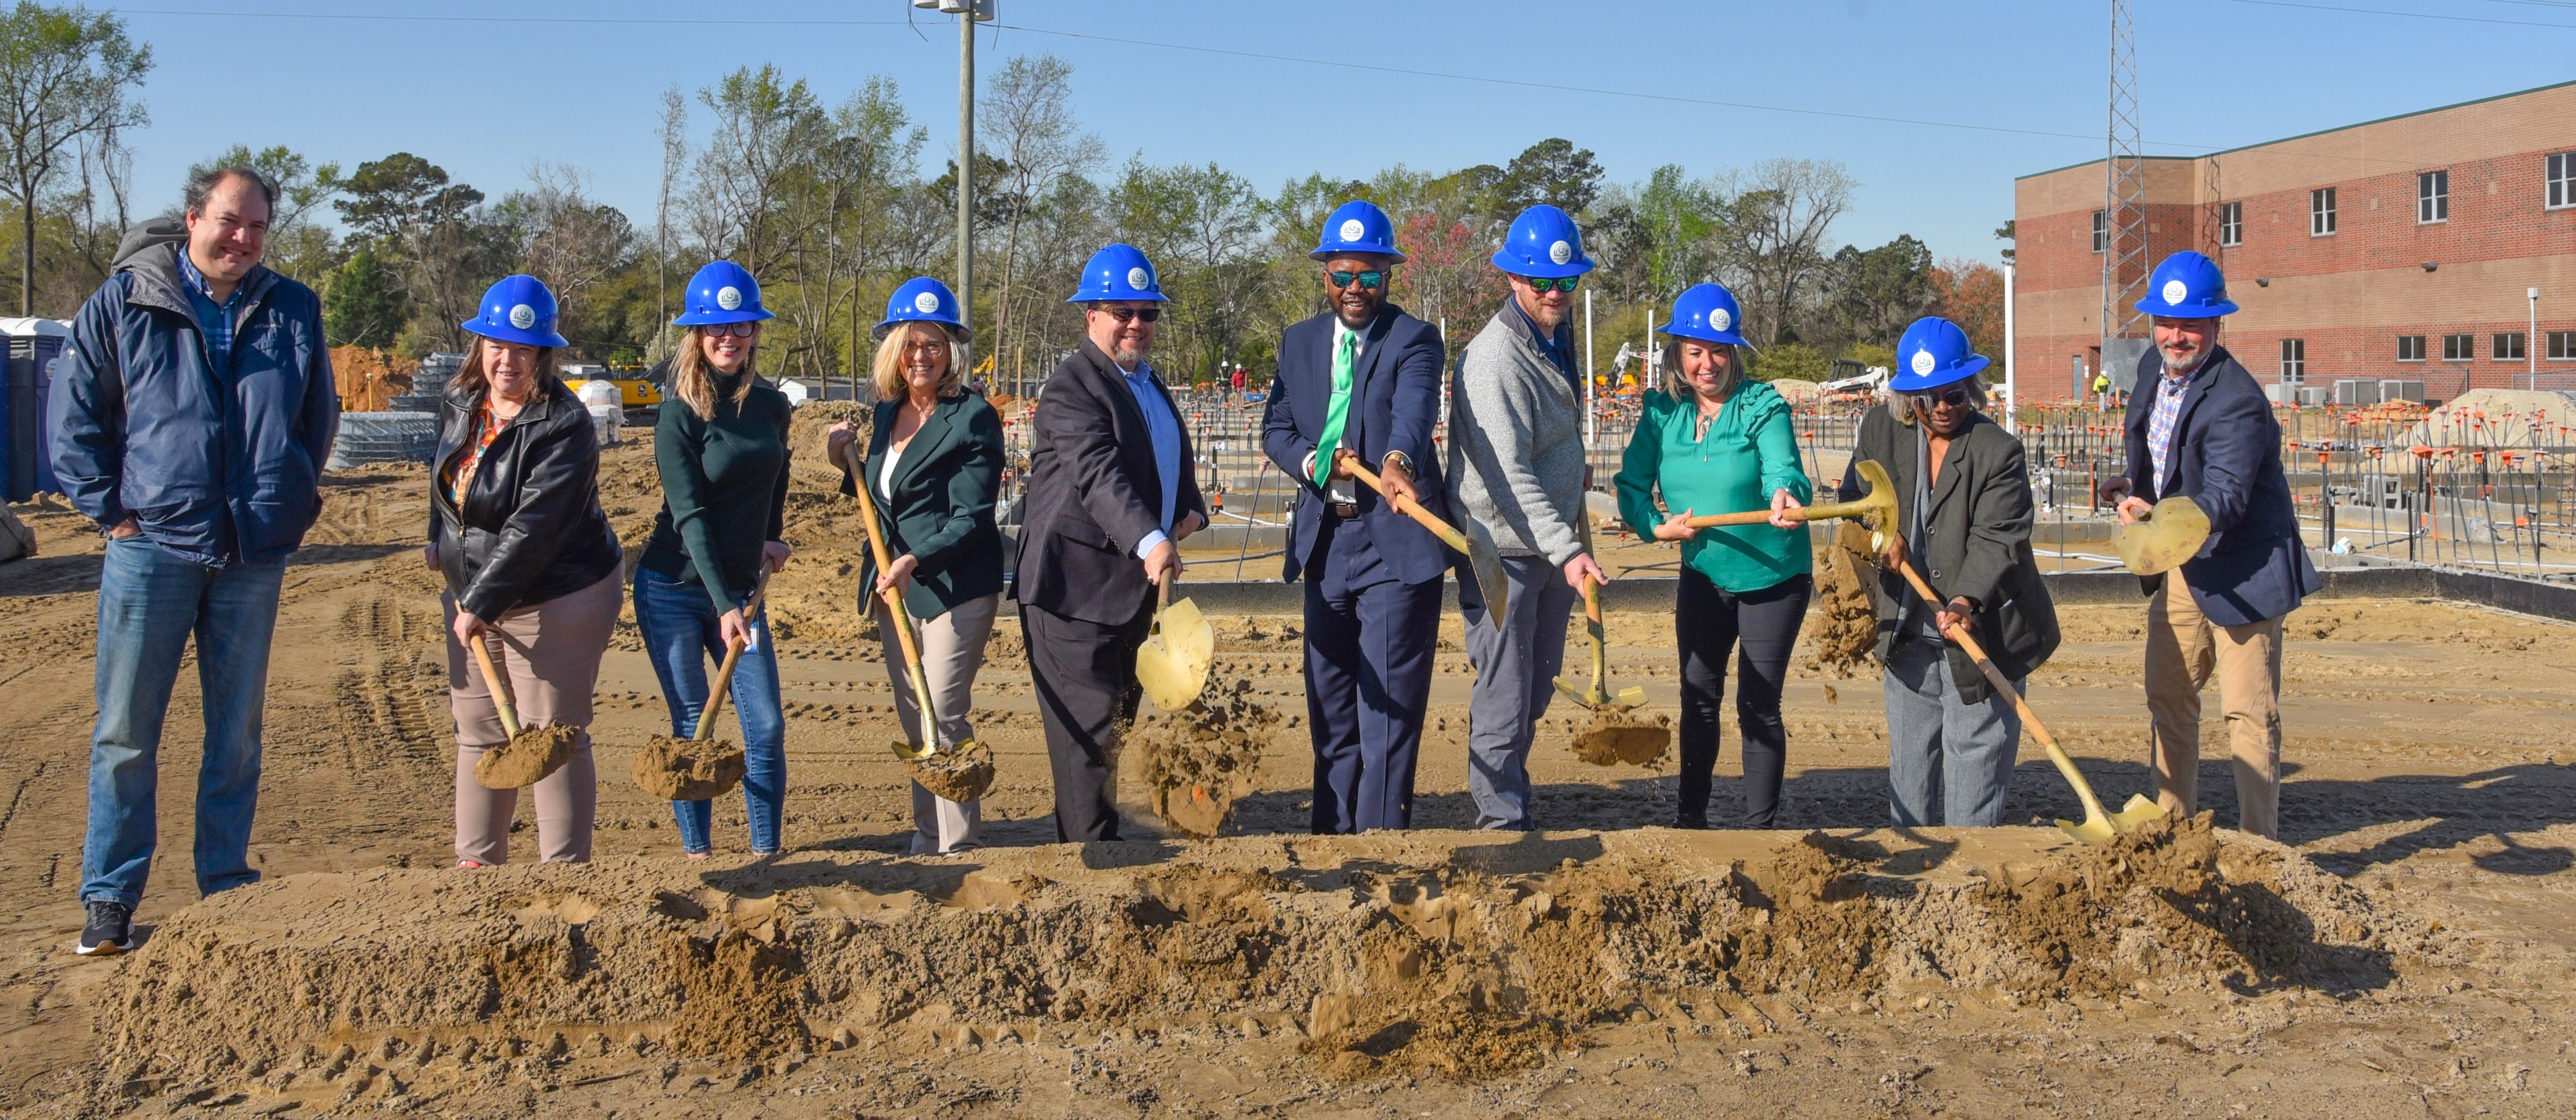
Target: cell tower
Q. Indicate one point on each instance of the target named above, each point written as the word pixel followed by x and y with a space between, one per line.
pixel 2124 200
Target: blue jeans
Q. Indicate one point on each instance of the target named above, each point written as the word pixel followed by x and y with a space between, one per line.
pixel 149 601
pixel 678 622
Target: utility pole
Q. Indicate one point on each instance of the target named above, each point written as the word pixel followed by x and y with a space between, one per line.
pixel 2531 341
pixel 1591 410
pixel 2124 193
pixel 968 13
pixel 2012 400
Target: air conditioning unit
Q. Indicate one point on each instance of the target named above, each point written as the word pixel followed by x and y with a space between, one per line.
pixel 2313 396
pixel 2401 391
pixel 2352 391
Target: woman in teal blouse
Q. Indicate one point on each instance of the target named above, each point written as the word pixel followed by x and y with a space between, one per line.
pixel 1721 444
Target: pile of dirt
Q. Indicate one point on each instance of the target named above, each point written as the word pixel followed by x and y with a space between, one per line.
pixel 675 769
pixel 1845 631
pixel 1617 737
pixel 2496 418
pixel 527 758
pixel 1447 953
pixel 1198 762
pixel 808 434
pixel 960 773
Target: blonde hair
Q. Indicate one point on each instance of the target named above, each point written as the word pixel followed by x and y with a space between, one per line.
pixel 695 386
pixel 1681 388
pixel 887 370
pixel 471 378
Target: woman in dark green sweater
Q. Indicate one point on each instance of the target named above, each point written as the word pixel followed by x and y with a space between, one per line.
pixel 721 444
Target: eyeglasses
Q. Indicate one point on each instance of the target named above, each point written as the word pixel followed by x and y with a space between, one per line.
pixel 1123 314
pixel 1541 283
pixel 1372 279
pixel 1955 398
pixel 737 330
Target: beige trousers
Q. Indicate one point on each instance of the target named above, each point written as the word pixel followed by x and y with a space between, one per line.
pixel 952 649
pixel 548 656
pixel 2183 647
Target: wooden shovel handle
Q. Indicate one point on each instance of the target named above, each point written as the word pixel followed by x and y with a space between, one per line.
pixel 492 683
pixel 1448 536
pixel 1748 517
pixel 733 656
pixel 2004 686
pixel 903 633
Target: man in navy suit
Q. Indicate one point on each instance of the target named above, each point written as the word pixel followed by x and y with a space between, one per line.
pixel 2199 426
pixel 1360 384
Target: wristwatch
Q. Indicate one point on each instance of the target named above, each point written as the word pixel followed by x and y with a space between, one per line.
pixel 1400 459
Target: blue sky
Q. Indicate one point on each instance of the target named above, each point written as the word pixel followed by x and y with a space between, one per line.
pixel 486 97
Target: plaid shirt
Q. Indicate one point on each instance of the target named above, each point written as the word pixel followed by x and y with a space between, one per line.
pixel 2160 423
pixel 215 321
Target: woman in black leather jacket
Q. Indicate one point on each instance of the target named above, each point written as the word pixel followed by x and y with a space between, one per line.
pixel 532 568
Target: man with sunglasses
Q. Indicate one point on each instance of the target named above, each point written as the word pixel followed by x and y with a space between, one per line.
pixel 1516 467
pixel 1112 492
pixel 1360 385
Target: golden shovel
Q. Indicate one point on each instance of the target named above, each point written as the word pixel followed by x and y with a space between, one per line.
pixel 1173 662
pixel 1876 508
pixel 2169 534
pixel 1482 557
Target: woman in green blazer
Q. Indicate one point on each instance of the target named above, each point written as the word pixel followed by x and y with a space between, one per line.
pixel 933 465
pixel 1721 444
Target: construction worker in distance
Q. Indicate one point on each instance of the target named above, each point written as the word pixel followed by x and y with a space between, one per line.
pixel 1360 386
pixel 2198 426
pixel 2102 389
pixel 1516 467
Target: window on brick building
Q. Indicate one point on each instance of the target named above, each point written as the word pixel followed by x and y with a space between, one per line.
pixel 2231 224
pixel 2321 211
pixel 2410 347
pixel 2562 346
pixel 2562 180
pixel 2508 347
pixel 2432 197
pixel 2294 360
pixel 2459 347
pixel 2101 230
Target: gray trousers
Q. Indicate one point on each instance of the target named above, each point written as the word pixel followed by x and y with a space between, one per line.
pixel 1517 657
pixel 1948 763
pixel 952 649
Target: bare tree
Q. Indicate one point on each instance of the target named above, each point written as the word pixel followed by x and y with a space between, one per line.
pixel 1027 122
pixel 765 133
pixel 674 133
pixel 1777 218
pixel 63 76
pixel 106 166
pixel 574 242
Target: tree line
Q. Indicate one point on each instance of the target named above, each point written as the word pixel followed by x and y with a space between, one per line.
pixel 831 206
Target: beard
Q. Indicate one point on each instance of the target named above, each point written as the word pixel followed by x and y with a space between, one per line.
pixel 1130 351
pixel 2198 356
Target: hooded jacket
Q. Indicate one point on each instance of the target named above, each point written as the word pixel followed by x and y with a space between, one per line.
pixel 221 465
pixel 530 528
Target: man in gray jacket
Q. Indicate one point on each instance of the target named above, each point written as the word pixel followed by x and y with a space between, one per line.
pixel 1516 467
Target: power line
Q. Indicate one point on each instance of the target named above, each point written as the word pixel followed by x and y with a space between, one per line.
pixel 2408 15
pixel 521 19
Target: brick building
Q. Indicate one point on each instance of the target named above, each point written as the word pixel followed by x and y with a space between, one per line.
pixel 2401 249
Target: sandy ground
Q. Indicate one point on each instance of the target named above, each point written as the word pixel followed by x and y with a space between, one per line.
pixel 2407 954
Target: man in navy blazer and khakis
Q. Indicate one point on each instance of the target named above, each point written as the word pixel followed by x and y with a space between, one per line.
pixel 1361 383
pixel 2198 425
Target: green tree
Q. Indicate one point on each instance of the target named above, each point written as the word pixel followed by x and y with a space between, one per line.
pixel 296 247
pixel 1875 293
pixel 64 75
pixel 1552 171
pixel 363 304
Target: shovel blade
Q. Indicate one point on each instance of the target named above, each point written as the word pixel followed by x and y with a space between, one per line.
pixel 1632 696
pixel 911 751
pixel 1487 562
pixel 1173 664
pixel 2094 830
pixel 2136 814
pixel 1589 695
pixel 2171 533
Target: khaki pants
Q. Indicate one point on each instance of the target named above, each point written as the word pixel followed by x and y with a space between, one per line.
pixel 2183 646
pixel 548 655
pixel 952 649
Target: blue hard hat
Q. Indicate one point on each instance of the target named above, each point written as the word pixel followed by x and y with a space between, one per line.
pixel 1543 242
pixel 1707 312
pixel 1357 226
pixel 722 292
pixel 518 309
pixel 1118 272
pixel 1933 353
pixel 921 300
pixel 2187 286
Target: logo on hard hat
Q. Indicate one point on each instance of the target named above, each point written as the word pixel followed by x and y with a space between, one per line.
pixel 926 303
pixel 729 297
pixel 1923 363
pixel 2175 290
pixel 1352 230
pixel 1560 252
pixel 523 316
pixel 1719 320
pixel 1138 278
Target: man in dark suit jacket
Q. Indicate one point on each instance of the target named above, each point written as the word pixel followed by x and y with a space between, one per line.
pixel 1361 384
pixel 1111 493
pixel 2198 426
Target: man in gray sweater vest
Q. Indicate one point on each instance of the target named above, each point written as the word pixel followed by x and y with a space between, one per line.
pixel 1516 467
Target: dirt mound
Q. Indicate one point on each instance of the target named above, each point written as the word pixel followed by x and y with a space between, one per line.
pixel 1617 737
pixel 1845 631
pixel 527 758
pixel 1446 953
pixel 1197 763
pixel 808 433
pixel 688 769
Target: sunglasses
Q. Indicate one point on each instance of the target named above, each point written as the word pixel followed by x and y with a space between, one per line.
pixel 737 330
pixel 1955 398
pixel 1123 314
pixel 1366 279
pixel 1542 283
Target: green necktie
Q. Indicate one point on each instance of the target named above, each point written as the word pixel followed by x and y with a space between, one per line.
pixel 1339 412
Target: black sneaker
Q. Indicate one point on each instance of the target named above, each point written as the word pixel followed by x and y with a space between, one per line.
pixel 110 929
pixel 1693 821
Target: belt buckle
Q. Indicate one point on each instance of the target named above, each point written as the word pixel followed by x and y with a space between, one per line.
pixel 1344 510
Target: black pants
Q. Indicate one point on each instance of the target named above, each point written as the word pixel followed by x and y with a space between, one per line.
pixel 1709 623
pixel 1085 676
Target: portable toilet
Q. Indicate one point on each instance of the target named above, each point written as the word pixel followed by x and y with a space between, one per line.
pixel 26 451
